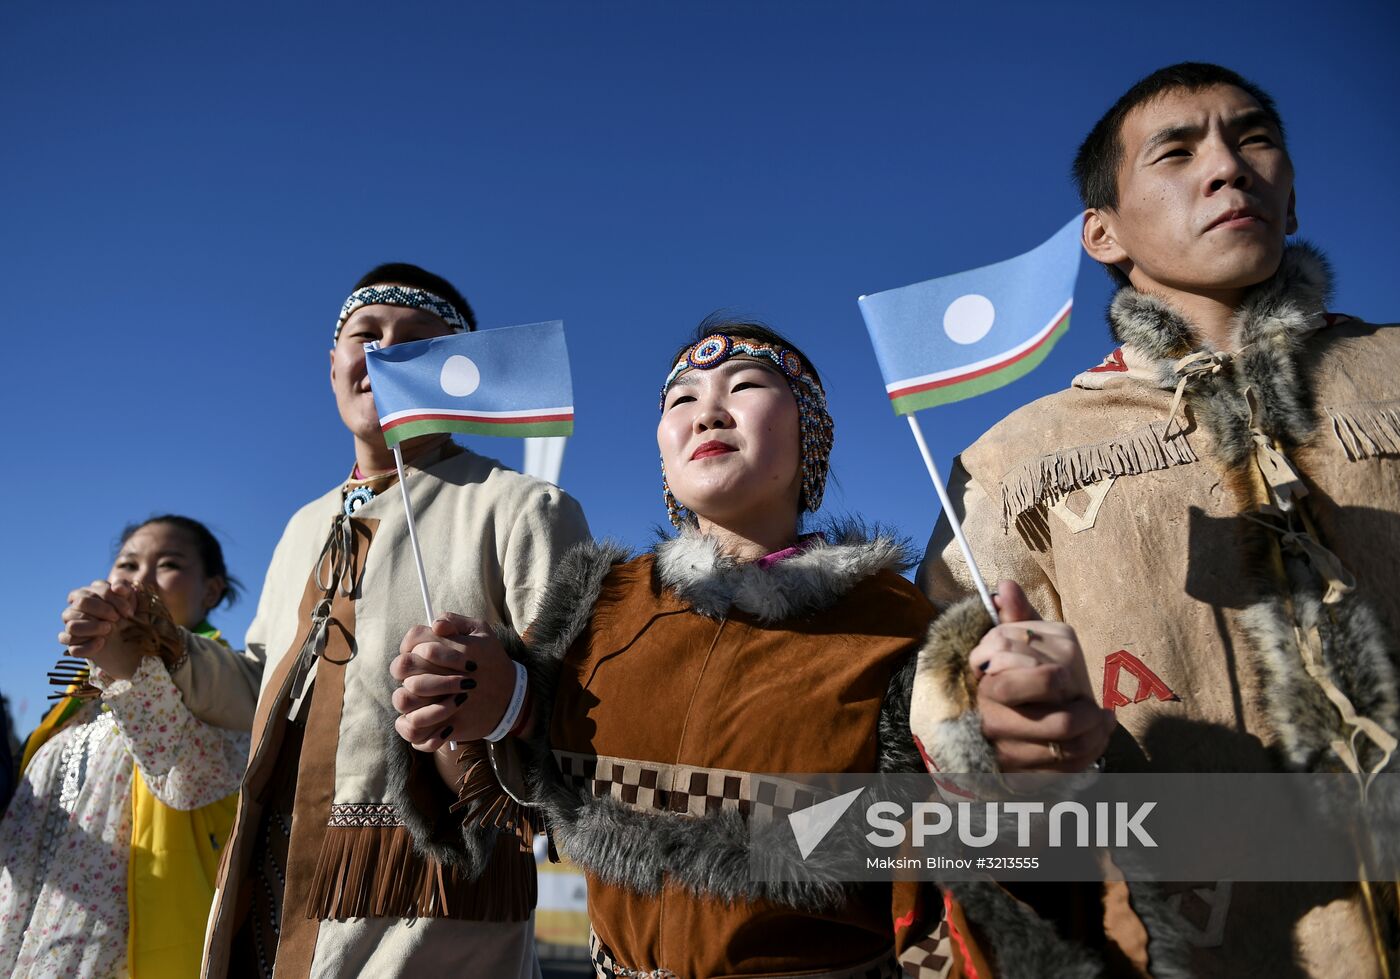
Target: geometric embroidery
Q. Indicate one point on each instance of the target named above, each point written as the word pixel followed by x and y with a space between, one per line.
pixel 1149 683
pixel 364 814
pixel 1095 493
pixel 682 789
pixel 1201 910
pixel 606 967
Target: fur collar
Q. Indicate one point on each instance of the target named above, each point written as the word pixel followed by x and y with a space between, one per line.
pixel 1287 306
pixel 1270 329
pixel 710 582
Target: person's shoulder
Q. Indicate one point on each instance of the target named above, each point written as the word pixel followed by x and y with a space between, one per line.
pixel 1117 399
pixel 898 597
pixel 314 513
pixel 1355 332
pixel 1056 419
pixel 1354 360
pixel 505 486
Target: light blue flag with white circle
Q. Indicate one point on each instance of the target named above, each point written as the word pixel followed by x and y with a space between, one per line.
pixel 512 381
pixel 962 335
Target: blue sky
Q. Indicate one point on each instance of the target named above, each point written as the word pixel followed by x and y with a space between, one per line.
pixel 187 193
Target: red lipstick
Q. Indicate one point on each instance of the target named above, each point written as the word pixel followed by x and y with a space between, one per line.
pixel 711 448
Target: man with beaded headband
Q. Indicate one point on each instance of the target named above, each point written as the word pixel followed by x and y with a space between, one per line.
pixel 663 685
pixel 330 869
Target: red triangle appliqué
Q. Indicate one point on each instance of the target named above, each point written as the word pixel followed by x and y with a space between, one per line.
pixel 1149 684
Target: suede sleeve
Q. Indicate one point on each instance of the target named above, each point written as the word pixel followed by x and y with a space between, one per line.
pixel 944 575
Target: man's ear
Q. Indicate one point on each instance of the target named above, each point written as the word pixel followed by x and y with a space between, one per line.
pixel 1290 226
pixel 1099 239
pixel 332 359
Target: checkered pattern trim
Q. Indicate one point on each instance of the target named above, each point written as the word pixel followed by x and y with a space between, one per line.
pixel 364 814
pixel 931 958
pixel 683 789
pixel 606 967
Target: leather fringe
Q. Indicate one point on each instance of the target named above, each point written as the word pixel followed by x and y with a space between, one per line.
pixel 1367 429
pixel 1056 475
pixel 373 872
pixel 489 806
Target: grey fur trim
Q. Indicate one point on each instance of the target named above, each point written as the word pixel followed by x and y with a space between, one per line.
pixel 422 802
pixel 1297 291
pixel 896 753
pixel 1143 321
pixel 944 712
pixel 710 582
pixel 1024 945
pixel 1168 951
pixel 717 855
pixel 1359 657
pixel 1269 330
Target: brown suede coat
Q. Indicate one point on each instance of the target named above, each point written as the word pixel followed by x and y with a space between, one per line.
pixel 734 695
pixel 668 682
pixel 1140 530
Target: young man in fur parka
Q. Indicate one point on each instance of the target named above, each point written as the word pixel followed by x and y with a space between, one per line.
pixel 1232 469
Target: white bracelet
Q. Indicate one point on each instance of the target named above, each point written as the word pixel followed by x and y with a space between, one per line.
pixel 517 701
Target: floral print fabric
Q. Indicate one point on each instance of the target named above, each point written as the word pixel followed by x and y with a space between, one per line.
pixel 65 840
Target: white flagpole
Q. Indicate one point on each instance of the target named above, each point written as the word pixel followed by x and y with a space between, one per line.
pixel 413 534
pixel 952 516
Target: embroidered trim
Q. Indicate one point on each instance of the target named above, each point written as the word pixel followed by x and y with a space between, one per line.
pixel 1053 476
pixel 364 814
pixel 654 787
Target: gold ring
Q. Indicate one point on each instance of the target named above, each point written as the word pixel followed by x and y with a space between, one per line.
pixel 1057 750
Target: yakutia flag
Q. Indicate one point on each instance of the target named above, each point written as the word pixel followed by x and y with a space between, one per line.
pixel 962 335
pixel 510 381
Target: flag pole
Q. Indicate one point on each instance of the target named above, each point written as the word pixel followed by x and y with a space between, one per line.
pixel 951 514
pixel 413 534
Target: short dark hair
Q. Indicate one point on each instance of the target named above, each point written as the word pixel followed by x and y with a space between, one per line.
pixel 1096 164
pixel 404 274
pixel 211 555
pixel 723 322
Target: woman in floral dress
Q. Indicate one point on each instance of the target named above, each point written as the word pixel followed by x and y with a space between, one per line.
pixel 108 850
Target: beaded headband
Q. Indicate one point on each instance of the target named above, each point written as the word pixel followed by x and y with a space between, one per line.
pixel 815 429
pixel 392 295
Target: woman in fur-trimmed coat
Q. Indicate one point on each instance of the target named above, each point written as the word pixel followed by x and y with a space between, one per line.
pixel 661 685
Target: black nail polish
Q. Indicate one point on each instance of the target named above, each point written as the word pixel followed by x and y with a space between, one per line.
pixel 468 684
pixel 460 699
pixel 471 666
pixel 445 732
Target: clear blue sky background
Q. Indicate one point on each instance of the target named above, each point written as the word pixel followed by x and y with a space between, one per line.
pixel 186 196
